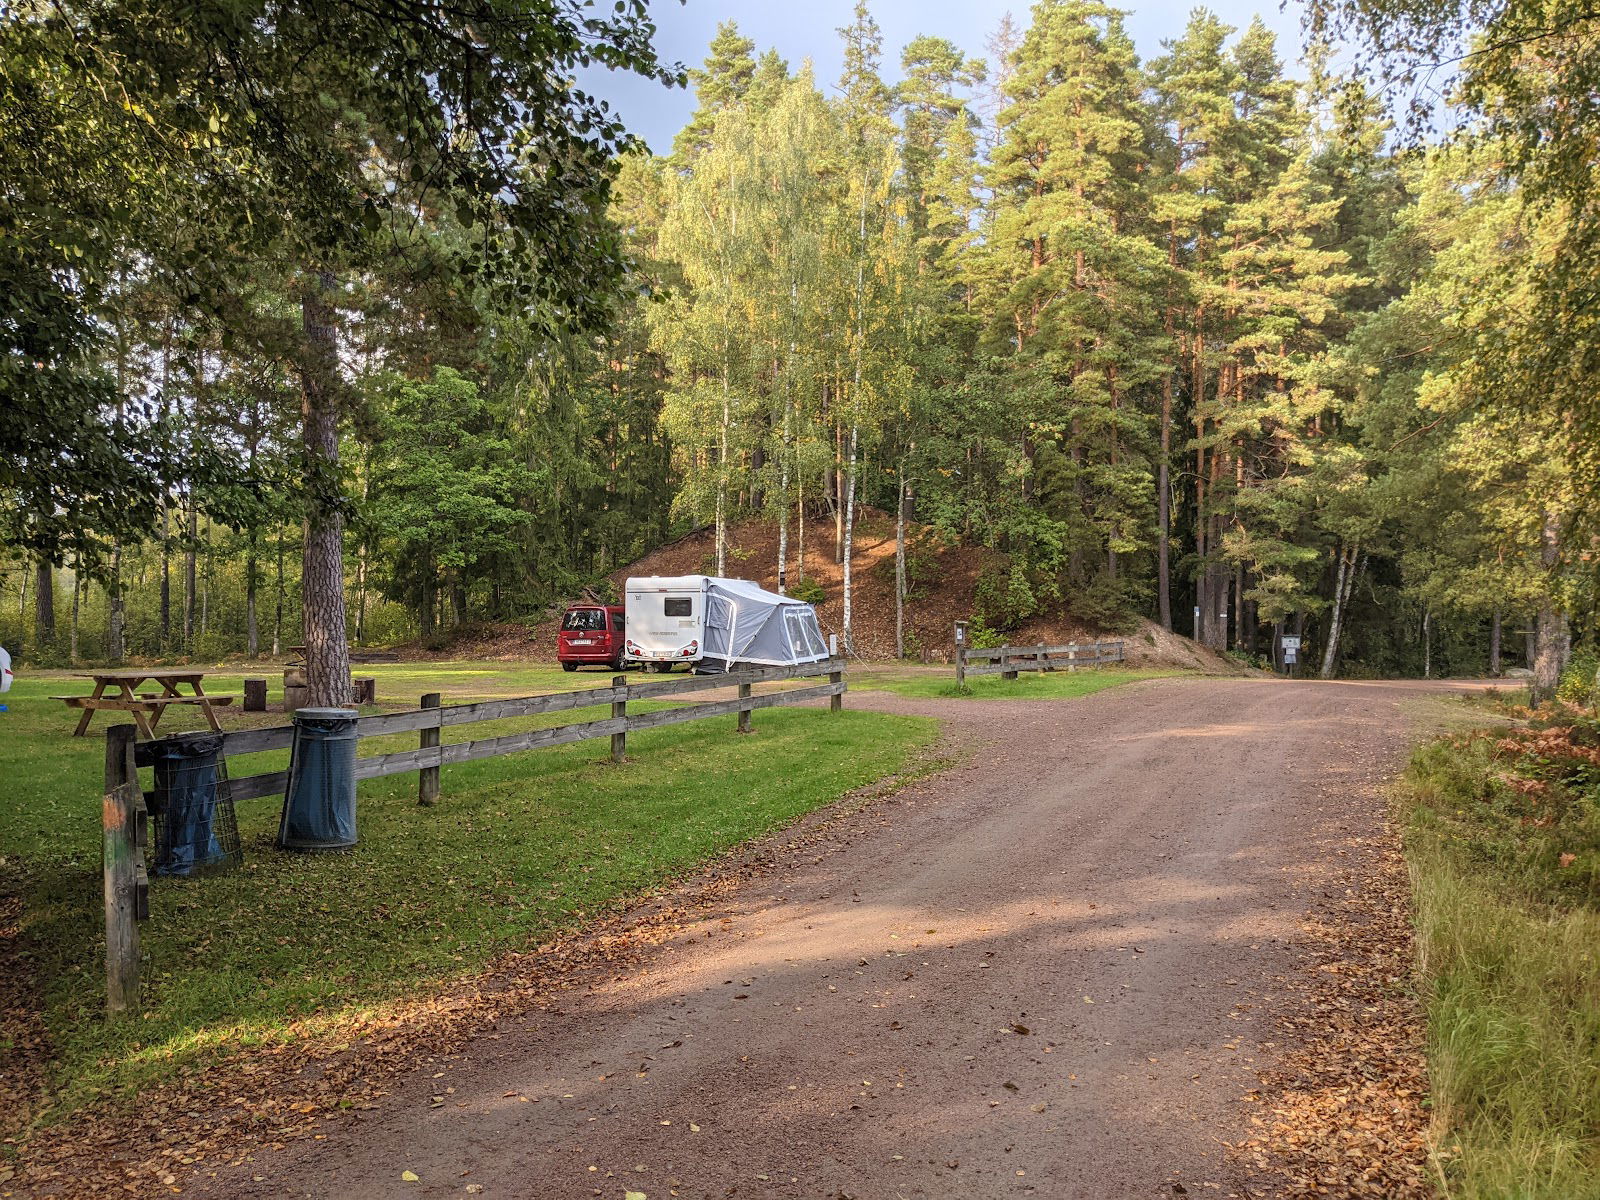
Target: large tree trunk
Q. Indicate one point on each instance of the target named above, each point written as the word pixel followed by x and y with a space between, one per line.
pixel 1164 512
pixel 1554 647
pixel 1553 634
pixel 44 604
pixel 322 613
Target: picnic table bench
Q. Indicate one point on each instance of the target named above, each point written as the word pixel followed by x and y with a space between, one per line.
pixel 146 708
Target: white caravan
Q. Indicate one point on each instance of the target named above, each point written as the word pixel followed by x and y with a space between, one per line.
pixel 713 625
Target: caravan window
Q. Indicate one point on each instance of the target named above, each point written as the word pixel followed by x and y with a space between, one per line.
pixel 679 606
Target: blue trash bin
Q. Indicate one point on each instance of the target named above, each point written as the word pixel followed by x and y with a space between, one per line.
pixel 319 805
pixel 195 826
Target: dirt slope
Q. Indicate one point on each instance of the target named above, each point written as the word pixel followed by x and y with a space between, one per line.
pixel 1046 972
pixel 946 595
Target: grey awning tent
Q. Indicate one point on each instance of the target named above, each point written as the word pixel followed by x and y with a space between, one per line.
pixel 750 625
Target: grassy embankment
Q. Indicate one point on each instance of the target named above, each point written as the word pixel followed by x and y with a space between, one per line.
pixel 1503 836
pixel 519 848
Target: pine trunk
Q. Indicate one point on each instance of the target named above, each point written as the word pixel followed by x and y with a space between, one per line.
pixel 44 604
pixel 1552 632
pixel 322 611
pixel 277 617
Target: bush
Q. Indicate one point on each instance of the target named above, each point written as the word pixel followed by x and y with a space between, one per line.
pixel 1577 686
pixel 810 591
pixel 1003 598
pixel 1107 602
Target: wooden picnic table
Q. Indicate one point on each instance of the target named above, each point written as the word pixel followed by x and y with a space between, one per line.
pixel 147 708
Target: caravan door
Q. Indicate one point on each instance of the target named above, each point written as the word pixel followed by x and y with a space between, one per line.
pixel 666 620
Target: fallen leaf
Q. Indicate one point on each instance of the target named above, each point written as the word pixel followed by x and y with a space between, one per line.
pixel 409 1176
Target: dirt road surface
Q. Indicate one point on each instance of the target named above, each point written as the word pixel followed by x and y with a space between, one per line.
pixel 1041 972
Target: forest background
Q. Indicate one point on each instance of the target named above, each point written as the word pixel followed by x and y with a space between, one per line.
pixel 398 321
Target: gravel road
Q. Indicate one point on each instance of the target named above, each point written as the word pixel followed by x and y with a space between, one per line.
pixel 1038 973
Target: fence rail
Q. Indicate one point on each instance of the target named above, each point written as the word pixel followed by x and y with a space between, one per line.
pixel 1009 661
pixel 429 719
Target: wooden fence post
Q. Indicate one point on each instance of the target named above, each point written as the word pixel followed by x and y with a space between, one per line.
pixel 428 777
pixel 619 708
pixel 744 713
pixel 120 869
pixel 1005 663
pixel 961 656
pixel 836 701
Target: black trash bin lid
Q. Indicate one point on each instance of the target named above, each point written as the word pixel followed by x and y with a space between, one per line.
pixel 179 746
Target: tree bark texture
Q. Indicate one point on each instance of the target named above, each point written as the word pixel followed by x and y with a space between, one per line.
pixel 322 612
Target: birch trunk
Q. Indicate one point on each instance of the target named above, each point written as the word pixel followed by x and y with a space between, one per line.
pixel 900 568
pixel 252 619
pixel 1342 587
pixel 117 609
pixel 1494 646
pixel 722 470
pixel 849 540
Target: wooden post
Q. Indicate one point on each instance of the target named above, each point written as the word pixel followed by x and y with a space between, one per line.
pixel 836 701
pixel 255 695
pixel 428 777
pixel 961 656
pixel 1005 663
pixel 744 713
pixel 619 708
pixel 1039 658
pixel 120 869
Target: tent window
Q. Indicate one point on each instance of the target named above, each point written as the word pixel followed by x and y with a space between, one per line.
pixel 678 606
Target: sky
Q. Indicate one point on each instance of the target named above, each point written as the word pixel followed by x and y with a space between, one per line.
pixel 801 29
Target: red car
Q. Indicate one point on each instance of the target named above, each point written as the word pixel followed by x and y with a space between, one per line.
pixel 591 634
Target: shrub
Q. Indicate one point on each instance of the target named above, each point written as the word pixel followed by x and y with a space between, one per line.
pixel 1003 599
pixel 810 591
pixel 1577 686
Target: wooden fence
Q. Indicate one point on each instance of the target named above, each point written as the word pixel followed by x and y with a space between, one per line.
pixel 1008 661
pixel 124 806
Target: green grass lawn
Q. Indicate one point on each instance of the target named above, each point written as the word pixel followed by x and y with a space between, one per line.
pixel 519 848
pixel 930 683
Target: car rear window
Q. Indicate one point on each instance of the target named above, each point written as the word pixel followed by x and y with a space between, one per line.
pixel 584 620
pixel 678 606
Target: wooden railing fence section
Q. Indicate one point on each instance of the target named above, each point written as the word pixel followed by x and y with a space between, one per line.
pixel 126 882
pixel 1009 661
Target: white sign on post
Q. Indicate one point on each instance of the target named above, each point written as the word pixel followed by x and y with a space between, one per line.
pixel 1291 642
pixel 1289 654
